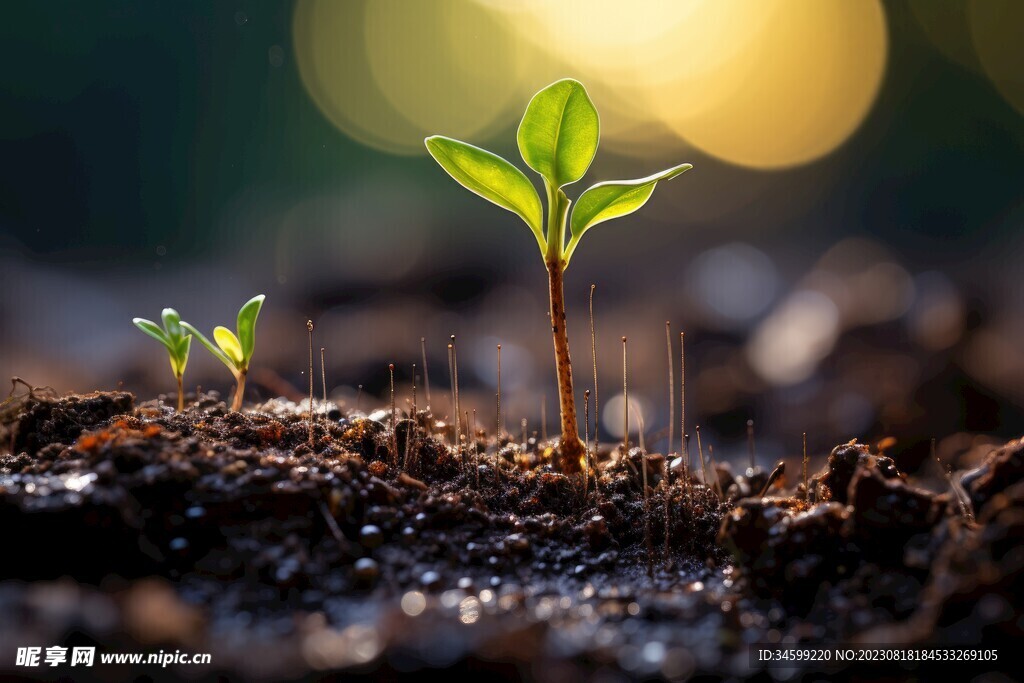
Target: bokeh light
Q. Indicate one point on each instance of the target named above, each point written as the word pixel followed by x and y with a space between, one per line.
pixel 732 283
pixel 766 85
pixel 936 320
pixel 796 88
pixel 612 414
pixel 789 344
pixel 996 30
pixel 390 73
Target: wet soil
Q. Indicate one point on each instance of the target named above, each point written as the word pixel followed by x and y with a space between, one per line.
pixel 369 545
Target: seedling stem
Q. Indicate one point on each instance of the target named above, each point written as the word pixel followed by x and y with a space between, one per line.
pixel 558 138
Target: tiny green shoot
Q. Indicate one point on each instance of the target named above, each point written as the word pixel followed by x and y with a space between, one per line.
pixel 235 350
pixel 558 138
pixel 176 342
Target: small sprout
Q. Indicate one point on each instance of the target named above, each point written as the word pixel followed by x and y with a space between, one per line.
pixel 176 342
pixel 235 349
pixel 558 138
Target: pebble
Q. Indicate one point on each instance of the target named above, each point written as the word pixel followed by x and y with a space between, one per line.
pixel 366 570
pixel 371 536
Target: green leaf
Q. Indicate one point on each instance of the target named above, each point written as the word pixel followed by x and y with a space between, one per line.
pixel 209 346
pixel 183 348
pixel 247 325
pixel 150 328
pixel 229 344
pixel 559 133
pixel 172 323
pixel 179 357
pixel 612 199
pixel 171 337
pixel 491 177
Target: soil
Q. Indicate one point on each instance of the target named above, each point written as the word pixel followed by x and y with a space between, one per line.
pixel 383 552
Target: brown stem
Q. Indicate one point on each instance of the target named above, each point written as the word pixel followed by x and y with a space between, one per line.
pixel 572 447
pixel 236 404
pixel 181 396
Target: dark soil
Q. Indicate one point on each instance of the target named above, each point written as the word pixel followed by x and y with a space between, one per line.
pixel 382 551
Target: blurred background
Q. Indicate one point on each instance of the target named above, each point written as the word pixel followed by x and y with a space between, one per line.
pixel 845 257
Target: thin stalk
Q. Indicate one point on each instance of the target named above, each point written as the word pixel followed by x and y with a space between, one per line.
pixel 714 472
pixel 647 500
pixel 671 388
pixel 426 372
pixel 497 409
pixel 625 403
pixel 687 483
pixel 459 430
pixel 666 492
pixel 476 449
pixel 309 326
pixel 394 415
pixel 750 443
pixel 642 427
pixel 323 380
pixel 685 443
pixel 415 413
pixel 593 356
pixel 451 394
pixel 807 491
pixel 181 396
pixel 411 436
pixel 586 442
pixel 544 417
pixel 700 452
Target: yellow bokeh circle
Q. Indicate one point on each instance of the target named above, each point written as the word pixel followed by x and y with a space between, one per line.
pixel 765 84
pixel 388 73
pixel 796 89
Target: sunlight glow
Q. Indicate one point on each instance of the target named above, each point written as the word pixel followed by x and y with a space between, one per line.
pixel 767 84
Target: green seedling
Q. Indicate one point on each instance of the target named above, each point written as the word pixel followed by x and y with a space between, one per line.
pixel 176 342
pixel 558 138
pixel 235 350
